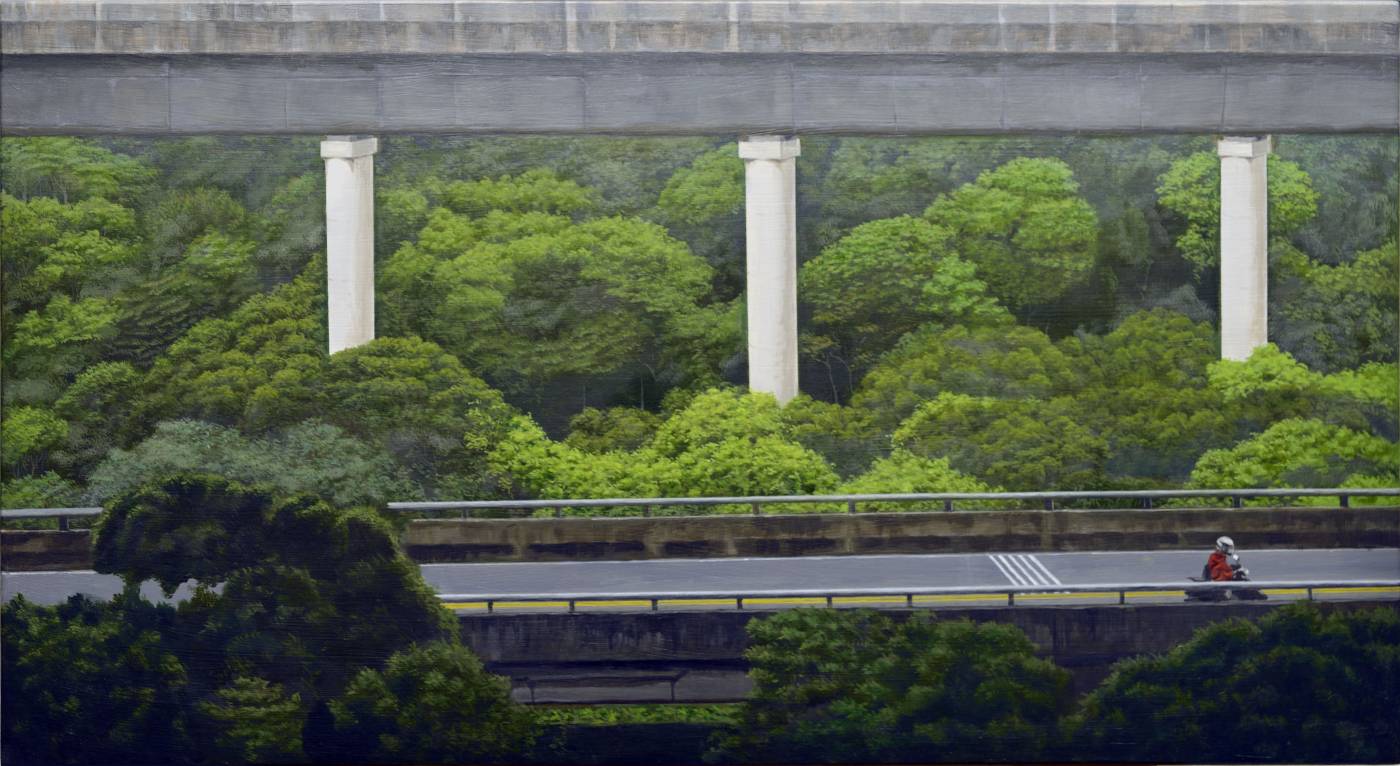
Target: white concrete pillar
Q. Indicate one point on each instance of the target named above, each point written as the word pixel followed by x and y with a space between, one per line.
pixel 349 239
pixel 1244 245
pixel 770 216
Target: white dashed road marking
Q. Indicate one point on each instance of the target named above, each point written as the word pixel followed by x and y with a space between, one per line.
pixel 1023 569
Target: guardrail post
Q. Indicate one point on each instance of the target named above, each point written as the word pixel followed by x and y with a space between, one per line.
pixel 1236 501
pixel 1147 503
pixel 739 602
pixel 850 506
pixel 490 606
pixel 755 508
pixel 571 606
pixel 558 511
pixel 1122 597
pixel 1310 595
pixel 828 602
pixel 646 511
pixel 655 604
pixel 1344 501
pixel 63 523
pixel 1011 598
pixel 464 512
pixel 909 600
pixel 947 506
pixel 1049 504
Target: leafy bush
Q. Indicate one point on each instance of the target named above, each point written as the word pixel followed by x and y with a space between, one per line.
pixel 841 686
pixel 1298 686
pixel 90 682
pixel 433 703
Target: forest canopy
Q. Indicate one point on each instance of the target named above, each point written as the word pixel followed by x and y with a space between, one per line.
pixel 563 317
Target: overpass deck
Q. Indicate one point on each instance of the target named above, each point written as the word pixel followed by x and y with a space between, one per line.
pixel 700 66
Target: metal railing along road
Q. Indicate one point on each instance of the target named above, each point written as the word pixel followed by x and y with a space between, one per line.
pixel 1144 499
pixel 908 594
pixel 62 514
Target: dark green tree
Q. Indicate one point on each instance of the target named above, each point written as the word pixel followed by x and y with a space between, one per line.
pixel 433 703
pixel 888 277
pixel 843 686
pixel 1023 224
pixel 303 615
pixel 92 682
pixel 1013 362
pixel 1299 685
pixel 1026 445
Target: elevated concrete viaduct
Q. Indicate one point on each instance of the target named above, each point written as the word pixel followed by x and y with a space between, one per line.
pixel 763 70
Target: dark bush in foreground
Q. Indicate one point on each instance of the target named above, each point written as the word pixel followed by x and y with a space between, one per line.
pixel 837 686
pixel 433 703
pixel 312 601
pixel 1297 686
pixel 91 682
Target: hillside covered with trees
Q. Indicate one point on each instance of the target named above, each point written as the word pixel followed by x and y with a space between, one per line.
pixel 564 318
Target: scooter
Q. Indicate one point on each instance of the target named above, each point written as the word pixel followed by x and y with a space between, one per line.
pixel 1226 594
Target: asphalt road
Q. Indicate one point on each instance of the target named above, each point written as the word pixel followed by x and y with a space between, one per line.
pixel 813 572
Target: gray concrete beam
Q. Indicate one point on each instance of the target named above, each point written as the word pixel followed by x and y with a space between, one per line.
pixel 321 27
pixel 700 94
pixel 699 66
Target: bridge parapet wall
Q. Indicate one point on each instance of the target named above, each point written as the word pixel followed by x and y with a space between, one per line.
pixel 572 539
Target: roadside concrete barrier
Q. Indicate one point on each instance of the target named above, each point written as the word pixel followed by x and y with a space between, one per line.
pixel 574 539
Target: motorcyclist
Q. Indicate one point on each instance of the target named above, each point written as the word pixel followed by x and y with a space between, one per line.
pixel 1223 564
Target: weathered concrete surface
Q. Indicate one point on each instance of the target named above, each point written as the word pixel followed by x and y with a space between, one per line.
pixel 700 66
pixel 1084 640
pixel 834 534
pixel 45 550
pixel 440 540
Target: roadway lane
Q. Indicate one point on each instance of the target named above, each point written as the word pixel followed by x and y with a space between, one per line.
pixel 815 572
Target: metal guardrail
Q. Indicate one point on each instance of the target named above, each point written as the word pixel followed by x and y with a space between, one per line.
pixel 1145 499
pixel 62 514
pixel 1010 591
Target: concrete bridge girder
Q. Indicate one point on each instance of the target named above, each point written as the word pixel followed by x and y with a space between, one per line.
pixel 688 94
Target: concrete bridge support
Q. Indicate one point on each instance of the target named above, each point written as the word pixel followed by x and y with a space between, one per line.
pixel 1244 245
pixel 770 204
pixel 349 239
pixel 770 215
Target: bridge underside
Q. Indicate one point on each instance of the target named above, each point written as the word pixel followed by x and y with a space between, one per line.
pixel 699 93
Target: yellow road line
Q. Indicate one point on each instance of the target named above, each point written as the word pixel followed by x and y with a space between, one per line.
pixel 846 600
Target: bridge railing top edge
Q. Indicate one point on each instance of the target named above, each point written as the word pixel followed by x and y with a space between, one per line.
pixel 898 497
pixel 948 590
pixel 761 500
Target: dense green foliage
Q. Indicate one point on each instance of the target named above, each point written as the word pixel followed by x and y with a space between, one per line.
pixel 1009 313
pixel 849 686
pixel 303 619
pixel 1297 686
pixel 563 317
pixel 431 704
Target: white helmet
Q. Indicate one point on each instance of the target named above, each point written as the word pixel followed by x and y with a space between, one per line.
pixel 1225 545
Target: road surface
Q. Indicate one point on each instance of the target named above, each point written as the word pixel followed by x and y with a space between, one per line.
pixel 812 572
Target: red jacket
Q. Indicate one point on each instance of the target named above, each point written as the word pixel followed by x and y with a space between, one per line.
pixel 1219 567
